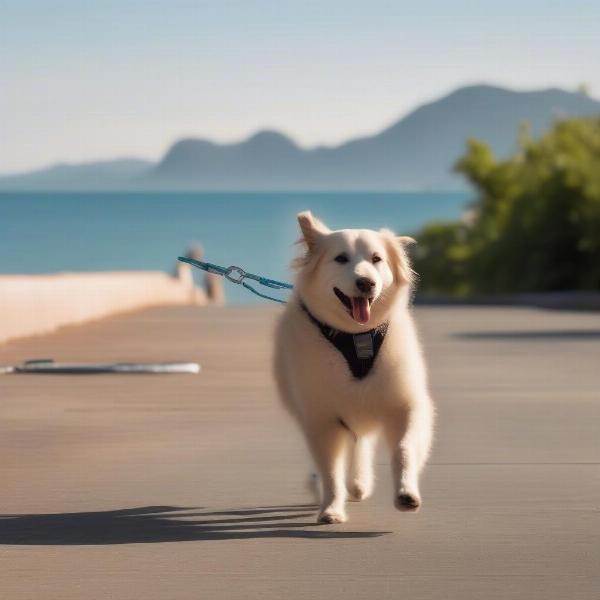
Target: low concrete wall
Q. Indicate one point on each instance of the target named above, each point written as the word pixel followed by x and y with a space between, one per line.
pixel 37 304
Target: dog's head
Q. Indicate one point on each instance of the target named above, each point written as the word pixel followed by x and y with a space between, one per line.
pixel 351 278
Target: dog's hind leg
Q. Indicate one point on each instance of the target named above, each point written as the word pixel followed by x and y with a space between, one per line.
pixel 313 486
pixel 328 444
pixel 360 475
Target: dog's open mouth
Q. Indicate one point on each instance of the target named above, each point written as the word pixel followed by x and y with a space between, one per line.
pixel 359 307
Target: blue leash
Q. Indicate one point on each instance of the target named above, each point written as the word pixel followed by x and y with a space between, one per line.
pixel 237 275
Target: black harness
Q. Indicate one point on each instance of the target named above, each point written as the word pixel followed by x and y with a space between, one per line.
pixel 359 349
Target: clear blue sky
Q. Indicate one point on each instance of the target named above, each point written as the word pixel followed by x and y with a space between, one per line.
pixel 102 78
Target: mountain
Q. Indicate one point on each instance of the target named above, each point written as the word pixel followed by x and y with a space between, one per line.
pixel 415 153
pixel 100 175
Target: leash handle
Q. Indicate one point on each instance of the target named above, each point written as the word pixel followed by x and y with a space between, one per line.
pixel 237 275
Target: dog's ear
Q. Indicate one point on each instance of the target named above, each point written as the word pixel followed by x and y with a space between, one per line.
pixel 312 232
pixel 406 240
pixel 399 260
pixel 312 229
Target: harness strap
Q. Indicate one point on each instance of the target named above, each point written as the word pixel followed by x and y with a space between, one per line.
pixel 359 349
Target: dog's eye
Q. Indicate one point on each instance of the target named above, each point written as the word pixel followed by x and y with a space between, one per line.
pixel 341 258
pixel 376 258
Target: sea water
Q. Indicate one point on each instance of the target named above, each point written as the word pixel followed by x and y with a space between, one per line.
pixel 55 231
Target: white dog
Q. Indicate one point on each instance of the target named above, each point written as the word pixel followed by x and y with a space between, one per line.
pixel 348 363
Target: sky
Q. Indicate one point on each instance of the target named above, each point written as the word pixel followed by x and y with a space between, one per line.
pixel 99 79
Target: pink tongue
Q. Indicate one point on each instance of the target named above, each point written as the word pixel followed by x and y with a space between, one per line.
pixel 361 311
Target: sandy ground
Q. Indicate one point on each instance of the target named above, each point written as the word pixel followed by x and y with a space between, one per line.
pixel 190 486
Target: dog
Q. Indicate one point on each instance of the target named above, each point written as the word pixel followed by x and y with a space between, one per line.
pixel 349 366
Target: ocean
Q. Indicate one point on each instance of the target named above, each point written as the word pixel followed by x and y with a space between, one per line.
pixel 53 232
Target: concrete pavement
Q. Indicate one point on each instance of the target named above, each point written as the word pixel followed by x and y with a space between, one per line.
pixel 180 486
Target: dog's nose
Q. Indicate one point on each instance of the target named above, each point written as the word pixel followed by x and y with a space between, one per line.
pixel 364 284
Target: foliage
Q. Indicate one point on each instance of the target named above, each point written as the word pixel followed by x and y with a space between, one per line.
pixel 535 225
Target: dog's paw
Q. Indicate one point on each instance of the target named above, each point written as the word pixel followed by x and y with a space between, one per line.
pixel 330 517
pixel 406 501
pixel 358 491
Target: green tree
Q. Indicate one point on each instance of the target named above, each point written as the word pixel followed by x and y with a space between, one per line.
pixel 535 225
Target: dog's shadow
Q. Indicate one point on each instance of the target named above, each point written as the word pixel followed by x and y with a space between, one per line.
pixel 154 524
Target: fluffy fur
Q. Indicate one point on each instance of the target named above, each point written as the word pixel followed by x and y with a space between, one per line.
pixel 340 416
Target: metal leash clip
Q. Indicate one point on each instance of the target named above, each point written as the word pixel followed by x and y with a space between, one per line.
pixel 241 274
pixel 237 275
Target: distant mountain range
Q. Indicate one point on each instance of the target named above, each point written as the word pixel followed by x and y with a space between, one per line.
pixel 108 174
pixel 415 153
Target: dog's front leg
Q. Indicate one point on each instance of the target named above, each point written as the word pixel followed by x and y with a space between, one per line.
pixel 408 433
pixel 328 444
pixel 360 482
